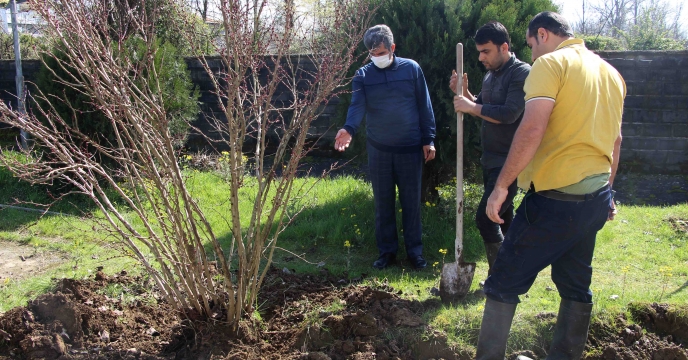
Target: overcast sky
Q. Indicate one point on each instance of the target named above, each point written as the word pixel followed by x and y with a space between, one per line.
pixel 572 10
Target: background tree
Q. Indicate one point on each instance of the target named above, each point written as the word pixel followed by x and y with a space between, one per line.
pixel 29 46
pixel 160 224
pixel 635 24
pixel 170 76
pixel 202 7
pixel 427 31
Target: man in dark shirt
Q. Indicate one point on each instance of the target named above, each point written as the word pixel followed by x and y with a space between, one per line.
pixel 392 95
pixel 500 105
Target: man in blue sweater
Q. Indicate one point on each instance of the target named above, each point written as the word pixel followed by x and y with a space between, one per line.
pixel 392 95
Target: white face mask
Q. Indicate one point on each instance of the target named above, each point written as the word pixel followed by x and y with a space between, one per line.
pixel 382 61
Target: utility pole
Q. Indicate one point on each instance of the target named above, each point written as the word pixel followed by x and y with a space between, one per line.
pixel 20 75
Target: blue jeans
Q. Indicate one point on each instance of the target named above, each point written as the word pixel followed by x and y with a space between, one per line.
pixel 389 171
pixel 490 231
pixel 549 232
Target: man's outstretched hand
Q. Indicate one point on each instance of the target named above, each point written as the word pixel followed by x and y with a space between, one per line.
pixel 342 140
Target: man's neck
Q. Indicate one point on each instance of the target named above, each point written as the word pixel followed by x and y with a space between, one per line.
pixel 560 40
pixel 505 60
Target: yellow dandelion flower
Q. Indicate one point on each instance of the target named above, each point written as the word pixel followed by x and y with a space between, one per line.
pixel 427 203
pixel 443 251
pixel 435 263
pixel 347 244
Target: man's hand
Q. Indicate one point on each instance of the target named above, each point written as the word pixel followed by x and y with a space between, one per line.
pixel 452 84
pixel 612 211
pixel 428 152
pixel 343 139
pixel 494 204
pixel 463 104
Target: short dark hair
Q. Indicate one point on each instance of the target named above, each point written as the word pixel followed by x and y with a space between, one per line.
pixel 378 34
pixel 550 21
pixel 492 31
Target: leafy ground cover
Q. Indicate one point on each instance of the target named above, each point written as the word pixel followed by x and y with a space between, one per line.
pixel 323 299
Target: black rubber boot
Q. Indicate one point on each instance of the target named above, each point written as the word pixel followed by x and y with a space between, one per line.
pixel 494 330
pixel 491 250
pixel 571 331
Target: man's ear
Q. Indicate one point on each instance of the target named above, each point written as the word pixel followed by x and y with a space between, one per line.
pixel 543 34
pixel 504 47
pixel 394 46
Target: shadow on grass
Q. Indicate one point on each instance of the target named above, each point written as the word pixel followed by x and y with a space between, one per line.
pixel 316 238
pixel 681 288
pixel 16 195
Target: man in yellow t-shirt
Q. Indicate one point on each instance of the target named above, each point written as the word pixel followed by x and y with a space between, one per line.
pixel 565 153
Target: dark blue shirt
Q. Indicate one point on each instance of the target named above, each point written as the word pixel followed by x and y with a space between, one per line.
pixel 396 104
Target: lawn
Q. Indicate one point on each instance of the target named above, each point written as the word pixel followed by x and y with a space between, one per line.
pixel 640 257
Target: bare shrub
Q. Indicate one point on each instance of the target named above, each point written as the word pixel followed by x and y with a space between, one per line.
pixel 260 49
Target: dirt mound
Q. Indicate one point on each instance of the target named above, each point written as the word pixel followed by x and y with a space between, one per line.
pixel 78 321
pixel 663 319
pixel 630 342
pixel 299 317
pixel 309 317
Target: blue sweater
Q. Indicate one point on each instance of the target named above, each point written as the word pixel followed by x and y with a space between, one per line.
pixel 396 104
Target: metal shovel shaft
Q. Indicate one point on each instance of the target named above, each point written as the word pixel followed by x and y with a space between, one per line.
pixel 457 276
pixel 459 155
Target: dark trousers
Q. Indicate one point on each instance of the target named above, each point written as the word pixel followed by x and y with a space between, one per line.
pixel 389 171
pixel 490 231
pixel 549 232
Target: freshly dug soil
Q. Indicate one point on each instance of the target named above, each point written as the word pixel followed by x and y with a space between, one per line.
pixel 79 321
pixel 301 317
pixel 659 334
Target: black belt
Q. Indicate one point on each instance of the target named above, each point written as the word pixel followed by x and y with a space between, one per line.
pixel 558 195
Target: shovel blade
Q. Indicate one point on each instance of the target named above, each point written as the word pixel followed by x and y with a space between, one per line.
pixel 456 280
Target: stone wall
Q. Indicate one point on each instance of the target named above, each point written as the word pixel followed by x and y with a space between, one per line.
pixel 210 106
pixel 8 74
pixel 655 120
pixel 318 132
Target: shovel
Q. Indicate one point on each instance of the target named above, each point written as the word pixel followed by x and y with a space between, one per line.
pixel 457 276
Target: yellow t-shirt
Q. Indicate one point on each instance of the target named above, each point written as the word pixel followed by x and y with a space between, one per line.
pixel 588 96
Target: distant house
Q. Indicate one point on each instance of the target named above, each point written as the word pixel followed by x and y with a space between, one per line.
pixel 28 21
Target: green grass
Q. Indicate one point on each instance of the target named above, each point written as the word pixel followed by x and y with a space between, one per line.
pixel 642 256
